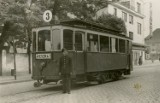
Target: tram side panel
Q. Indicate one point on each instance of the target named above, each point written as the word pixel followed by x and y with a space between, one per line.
pixel 105 61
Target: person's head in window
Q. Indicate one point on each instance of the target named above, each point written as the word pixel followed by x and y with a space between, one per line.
pixel 47 37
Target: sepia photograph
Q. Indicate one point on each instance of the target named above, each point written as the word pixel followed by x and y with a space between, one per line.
pixel 79 51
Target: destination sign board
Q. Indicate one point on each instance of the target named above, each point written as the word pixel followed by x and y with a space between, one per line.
pixel 44 56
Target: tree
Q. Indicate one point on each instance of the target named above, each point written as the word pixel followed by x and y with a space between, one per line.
pixel 22 16
pixel 66 9
pixel 112 22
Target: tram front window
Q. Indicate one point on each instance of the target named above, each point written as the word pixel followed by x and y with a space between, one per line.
pixel 56 39
pixel 79 40
pixel 68 39
pixel 44 40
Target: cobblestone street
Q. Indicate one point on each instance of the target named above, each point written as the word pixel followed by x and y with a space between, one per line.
pixel 143 86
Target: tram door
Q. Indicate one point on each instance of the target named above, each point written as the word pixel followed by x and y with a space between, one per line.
pixel 79 52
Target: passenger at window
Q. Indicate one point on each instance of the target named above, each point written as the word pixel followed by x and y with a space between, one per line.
pixel 104 48
pixel 94 46
pixel 47 43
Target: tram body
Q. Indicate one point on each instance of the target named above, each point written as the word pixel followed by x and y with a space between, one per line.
pixel 97 53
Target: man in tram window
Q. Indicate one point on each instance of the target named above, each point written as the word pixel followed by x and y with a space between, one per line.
pixel 65 70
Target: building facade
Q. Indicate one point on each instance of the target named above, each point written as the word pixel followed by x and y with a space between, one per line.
pixel 153 43
pixel 131 11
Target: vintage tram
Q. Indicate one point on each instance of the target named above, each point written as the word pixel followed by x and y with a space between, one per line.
pixel 98 53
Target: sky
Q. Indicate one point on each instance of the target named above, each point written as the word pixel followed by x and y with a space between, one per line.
pixel 156 13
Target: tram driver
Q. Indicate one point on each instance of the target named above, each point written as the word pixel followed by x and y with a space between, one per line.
pixel 65 71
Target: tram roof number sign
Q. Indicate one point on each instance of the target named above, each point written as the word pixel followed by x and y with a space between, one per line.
pixel 47 16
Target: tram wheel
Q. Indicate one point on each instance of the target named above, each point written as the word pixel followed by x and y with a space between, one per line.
pixel 102 79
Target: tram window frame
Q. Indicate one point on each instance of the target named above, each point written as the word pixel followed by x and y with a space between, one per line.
pixel 71 47
pixel 58 36
pixel 44 47
pixel 127 46
pixel 82 40
pixel 105 43
pixel 116 46
pixel 122 46
pixel 92 39
pixel 34 41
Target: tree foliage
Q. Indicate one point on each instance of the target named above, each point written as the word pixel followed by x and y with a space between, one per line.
pixel 66 9
pixel 112 22
pixel 22 15
pixel 25 14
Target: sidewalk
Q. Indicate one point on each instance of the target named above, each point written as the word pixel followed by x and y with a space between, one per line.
pixel 27 77
pixel 148 63
pixel 10 79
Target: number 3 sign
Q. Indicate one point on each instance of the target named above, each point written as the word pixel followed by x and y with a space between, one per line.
pixel 47 16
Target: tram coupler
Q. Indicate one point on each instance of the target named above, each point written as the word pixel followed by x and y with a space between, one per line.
pixel 37 84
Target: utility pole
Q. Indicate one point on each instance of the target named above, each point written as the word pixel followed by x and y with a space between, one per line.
pixel 14 53
pixel 150 20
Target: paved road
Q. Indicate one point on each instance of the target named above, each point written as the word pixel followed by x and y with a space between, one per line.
pixel 143 86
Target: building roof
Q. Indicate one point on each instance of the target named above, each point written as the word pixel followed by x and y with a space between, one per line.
pixel 155 37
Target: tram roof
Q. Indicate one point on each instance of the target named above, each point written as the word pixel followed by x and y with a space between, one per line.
pixel 91 26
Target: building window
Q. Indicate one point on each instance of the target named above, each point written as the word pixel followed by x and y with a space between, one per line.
pixel 115 12
pixel 139 28
pixel 124 16
pixel 130 19
pixel 131 35
pixel 138 7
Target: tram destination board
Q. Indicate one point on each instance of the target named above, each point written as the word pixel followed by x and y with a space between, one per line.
pixel 44 56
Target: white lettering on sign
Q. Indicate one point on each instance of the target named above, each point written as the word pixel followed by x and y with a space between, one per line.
pixel 43 56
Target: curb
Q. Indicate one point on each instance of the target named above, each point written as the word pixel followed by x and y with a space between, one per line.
pixel 16 81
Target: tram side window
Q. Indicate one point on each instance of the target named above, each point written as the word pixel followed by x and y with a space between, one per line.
pixel 56 39
pixel 92 41
pixel 104 44
pixel 44 40
pixel 79 40
pixel 68 39
pixel 34 41
pixel 114 45
pixel 122 46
